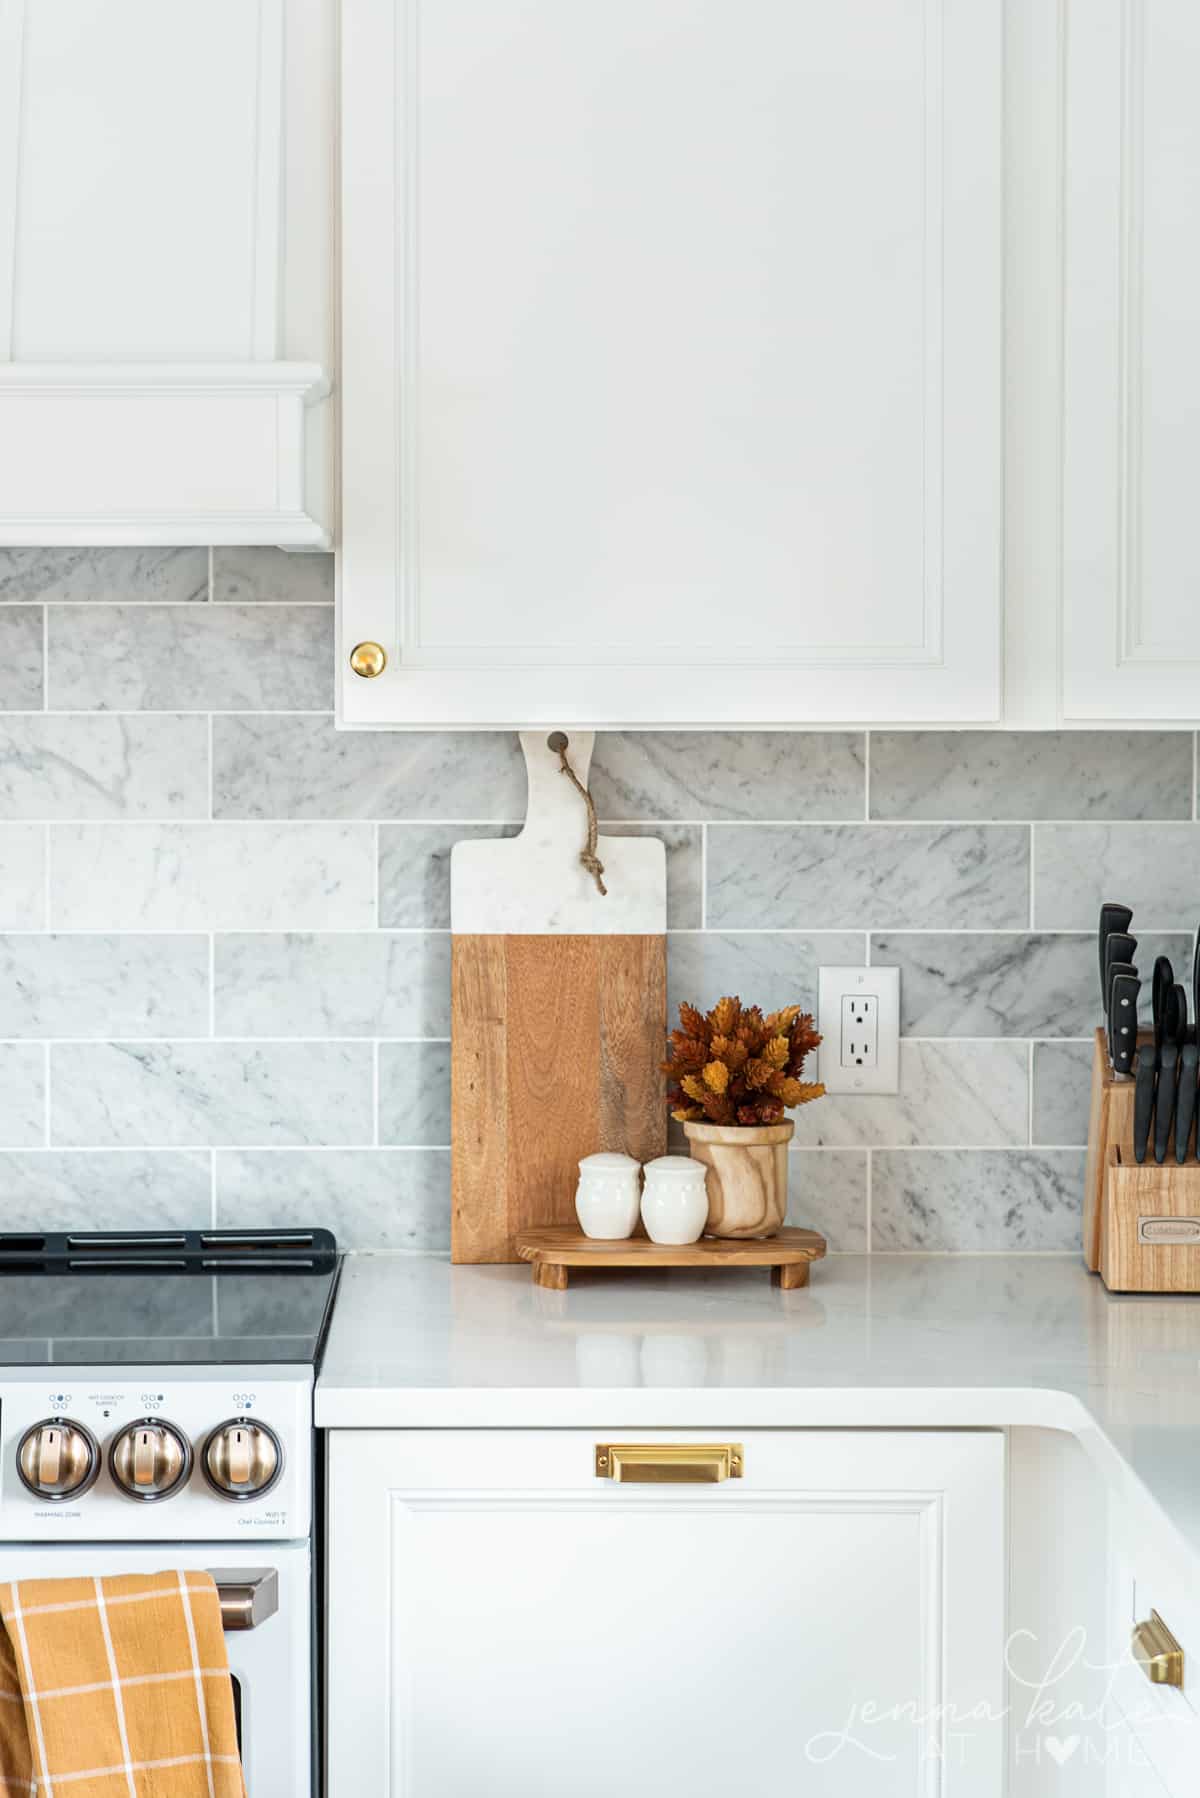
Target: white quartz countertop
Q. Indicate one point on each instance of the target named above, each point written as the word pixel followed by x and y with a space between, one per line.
pixel 874 1341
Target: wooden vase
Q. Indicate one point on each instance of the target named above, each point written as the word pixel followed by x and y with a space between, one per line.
pixel 746 1176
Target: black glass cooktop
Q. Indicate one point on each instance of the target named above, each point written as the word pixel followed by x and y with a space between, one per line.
pixel 194 1297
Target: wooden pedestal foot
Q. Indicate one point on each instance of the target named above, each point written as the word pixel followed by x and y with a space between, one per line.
pixel 550 1273
pixel 791 1275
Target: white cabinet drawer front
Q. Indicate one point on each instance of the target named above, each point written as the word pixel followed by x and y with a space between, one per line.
pixel 832 1620
pixel 1164 1720
pixel 672 337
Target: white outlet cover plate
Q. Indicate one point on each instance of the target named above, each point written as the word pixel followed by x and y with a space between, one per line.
pixel 836 984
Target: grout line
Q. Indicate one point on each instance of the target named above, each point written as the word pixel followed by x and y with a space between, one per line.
pixel 212 562
pixel 376 897
pixel 375 1089
pixel 1030 1101
pixel 867 778
pixel 212 1194
pixel 704 877
pixel 212 984
pixel 1032 868
pixel 211 774
pixel 45 658
pixel 46 1093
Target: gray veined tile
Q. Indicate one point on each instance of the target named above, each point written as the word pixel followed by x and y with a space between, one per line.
pixel 762 969
pixel 1062 1091
pixel 1003 984
pixel 20 658
pixel 69 766
pixel 314 985
pixel 882 876
pixel 414 871
pixel 200 1095
pixel 956 1095
pixel 212 876
pixel 1024 1200
pixel 283 767
pixel 111 576
pixel 700 775
pixel 259 576
pixel 22 877
pixel 414 1094
pixel 374 1200
pixel 1155 868
pixel 827 1191
pixel 54 1189
pixel 103 986
pixel 22 1095
pixel 999 774
pixel 191 658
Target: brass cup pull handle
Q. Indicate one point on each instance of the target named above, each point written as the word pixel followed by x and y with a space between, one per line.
pixel 669 1463
pixel 1157 1652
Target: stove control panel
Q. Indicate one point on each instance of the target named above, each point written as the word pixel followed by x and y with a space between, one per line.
pixel 91 1454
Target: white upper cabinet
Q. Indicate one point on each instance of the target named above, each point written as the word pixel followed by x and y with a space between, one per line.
pixel 672 337
pixel 166 199
pixel 1131 379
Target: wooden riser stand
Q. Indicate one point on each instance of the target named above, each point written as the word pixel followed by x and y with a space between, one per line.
pixel 1131 1212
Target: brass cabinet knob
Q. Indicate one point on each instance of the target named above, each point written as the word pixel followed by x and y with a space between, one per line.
pixel 1157 1652
pixel 149 1459
pixel 242 1458
pixel 58 1459
pixel 368 659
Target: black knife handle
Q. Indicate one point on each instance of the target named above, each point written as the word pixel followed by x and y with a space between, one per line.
pixel 1164 1100
pixel 1123 1021
pixel 1185 1104
pixel 1143 1101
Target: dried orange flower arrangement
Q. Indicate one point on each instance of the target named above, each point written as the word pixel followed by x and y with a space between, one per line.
pixel 736 1066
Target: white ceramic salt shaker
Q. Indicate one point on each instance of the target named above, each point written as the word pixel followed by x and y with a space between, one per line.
pixel 606 1199
pixel 675 1200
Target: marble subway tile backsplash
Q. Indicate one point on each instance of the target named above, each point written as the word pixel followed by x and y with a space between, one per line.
pixel 224 958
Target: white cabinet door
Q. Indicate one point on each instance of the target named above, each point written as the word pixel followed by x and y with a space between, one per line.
pixel 166 228
pixel 1131 552
pixel 671 374
pixel 502 1620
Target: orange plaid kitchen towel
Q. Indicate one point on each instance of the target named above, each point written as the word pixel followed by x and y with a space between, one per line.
pixel 116 1688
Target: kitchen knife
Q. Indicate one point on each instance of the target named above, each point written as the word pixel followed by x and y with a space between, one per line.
pixel 1115 968
pixel 1120 947
pixel 1122 1027
pixel 1166 1089
pixel 1189 1068
pixel 1185 1103
pixel 1112 917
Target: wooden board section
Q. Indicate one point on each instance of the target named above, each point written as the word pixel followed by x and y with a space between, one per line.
pixel 556 1042
pixel 1161 1193
pixel 554 1251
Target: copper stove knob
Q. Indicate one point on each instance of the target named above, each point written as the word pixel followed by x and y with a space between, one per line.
pixel 242 1458
pixel 150 1459
pixel 58 1459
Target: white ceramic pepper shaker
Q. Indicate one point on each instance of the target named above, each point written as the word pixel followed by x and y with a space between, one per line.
pixel 675 1199
pixel 606 1199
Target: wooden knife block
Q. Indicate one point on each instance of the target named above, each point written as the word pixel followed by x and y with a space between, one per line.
pixel 1150 1239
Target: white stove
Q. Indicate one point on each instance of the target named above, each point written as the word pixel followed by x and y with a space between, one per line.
pixel 156 1412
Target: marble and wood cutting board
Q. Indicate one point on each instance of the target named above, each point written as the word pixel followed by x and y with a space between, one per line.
pixel 558 1010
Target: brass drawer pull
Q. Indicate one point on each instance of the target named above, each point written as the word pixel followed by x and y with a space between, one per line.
pixel 669 1463
pixel 1157 1652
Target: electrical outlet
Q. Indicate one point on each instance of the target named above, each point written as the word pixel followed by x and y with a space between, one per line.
pixel 860 1030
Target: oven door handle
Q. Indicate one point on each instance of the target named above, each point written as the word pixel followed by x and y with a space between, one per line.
pixel 249 1595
